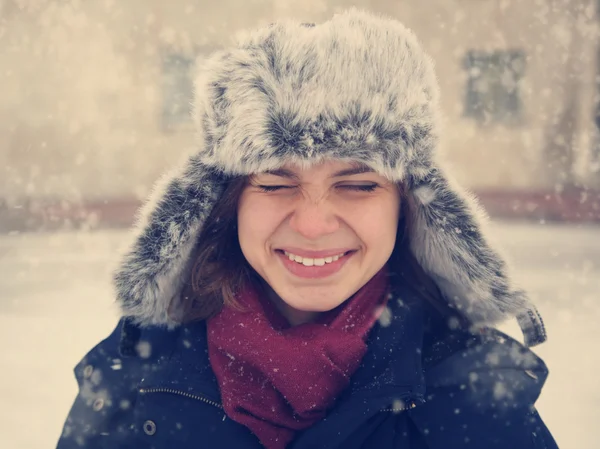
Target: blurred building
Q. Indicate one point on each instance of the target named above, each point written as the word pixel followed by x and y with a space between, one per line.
pixel 96 96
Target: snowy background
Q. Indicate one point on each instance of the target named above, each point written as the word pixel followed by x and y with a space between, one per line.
pixel 95 104
pixel 57 303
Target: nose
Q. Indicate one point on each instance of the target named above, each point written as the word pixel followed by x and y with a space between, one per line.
pixel 314 219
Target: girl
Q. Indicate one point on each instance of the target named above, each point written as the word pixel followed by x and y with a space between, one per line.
pixel 310 278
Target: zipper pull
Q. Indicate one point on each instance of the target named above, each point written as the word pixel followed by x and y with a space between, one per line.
pixel 403 406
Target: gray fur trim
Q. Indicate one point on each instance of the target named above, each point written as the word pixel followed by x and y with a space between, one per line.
pixel 153 271
pixel 448 241
pixel 357 87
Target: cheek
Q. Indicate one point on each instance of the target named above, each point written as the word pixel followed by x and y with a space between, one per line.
pixel 256 220
pixel 246 223
pixel 376 223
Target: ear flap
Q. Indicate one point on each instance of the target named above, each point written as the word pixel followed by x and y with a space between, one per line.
pixel 153 271
pixel 447 240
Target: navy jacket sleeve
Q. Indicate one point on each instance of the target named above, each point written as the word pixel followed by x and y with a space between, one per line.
pixel 106 388
pixel 108 378
pixel 483 396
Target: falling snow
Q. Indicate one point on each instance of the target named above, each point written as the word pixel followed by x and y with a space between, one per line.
pixel 95 105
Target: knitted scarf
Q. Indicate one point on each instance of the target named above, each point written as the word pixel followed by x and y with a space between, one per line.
pixel 276 379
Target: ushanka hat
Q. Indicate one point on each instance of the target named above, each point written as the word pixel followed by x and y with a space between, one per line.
pixel 357 87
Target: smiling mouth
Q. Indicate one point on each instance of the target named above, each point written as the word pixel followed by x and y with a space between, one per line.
pixel 310 262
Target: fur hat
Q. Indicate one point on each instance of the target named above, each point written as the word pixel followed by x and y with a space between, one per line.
pixel 357 87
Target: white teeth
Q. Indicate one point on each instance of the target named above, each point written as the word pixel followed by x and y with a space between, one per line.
pixel 308 262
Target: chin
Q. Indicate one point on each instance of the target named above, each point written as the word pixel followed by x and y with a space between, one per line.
pixel 314 306
pixel 323 308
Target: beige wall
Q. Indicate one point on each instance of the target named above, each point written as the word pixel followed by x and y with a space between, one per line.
pixel 498 155
pixel 81 96
pixel 80 115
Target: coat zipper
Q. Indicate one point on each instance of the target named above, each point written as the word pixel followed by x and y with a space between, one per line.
pixel 180 393
pixel 410 405
pixel 184 394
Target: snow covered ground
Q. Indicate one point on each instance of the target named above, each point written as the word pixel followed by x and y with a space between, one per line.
pixel 56 303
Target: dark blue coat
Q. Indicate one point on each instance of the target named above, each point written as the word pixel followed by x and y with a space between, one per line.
pixel 421 385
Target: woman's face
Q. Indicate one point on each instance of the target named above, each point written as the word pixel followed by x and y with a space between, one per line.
pixel 317 235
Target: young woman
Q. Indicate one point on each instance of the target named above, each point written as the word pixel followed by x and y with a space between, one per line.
pixel 310 278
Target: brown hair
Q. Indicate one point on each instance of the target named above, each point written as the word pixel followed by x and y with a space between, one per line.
pixel 220 269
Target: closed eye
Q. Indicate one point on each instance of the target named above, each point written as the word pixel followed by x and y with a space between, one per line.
pixel 273 188
pixel 359 187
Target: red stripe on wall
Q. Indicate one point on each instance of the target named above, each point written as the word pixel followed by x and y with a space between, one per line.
pixel 576 206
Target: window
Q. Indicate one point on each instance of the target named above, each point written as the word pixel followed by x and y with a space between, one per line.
pixel 492 93
pixel 177 90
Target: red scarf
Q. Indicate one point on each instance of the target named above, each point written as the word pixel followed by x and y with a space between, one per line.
pixel 276 379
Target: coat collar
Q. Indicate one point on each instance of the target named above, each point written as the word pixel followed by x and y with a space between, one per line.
pixel 393 359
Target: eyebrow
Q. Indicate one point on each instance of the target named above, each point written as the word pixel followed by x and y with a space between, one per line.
pixel 353 171
pixel 285 173
pixel 282 172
